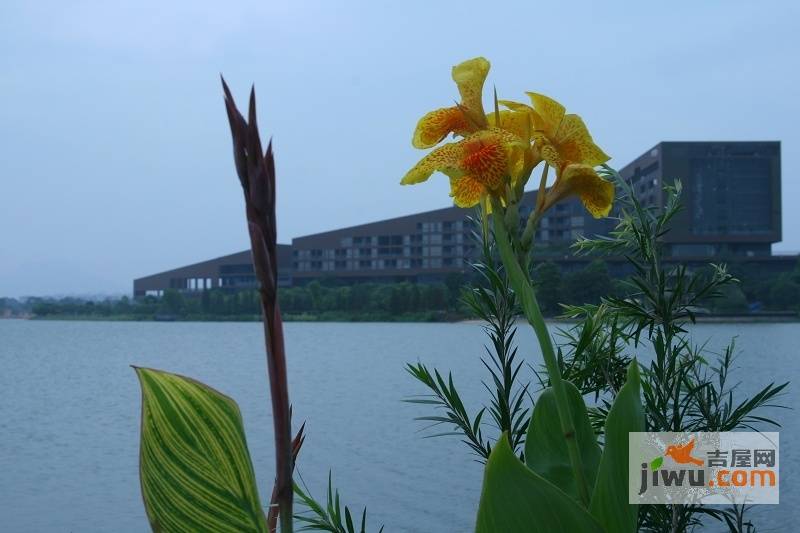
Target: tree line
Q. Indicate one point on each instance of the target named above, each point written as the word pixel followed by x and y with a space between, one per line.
pixel 400 301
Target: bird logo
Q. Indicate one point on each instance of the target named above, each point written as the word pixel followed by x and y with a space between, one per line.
pixel 680 453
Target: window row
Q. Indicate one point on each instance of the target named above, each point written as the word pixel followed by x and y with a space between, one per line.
pixel 378 264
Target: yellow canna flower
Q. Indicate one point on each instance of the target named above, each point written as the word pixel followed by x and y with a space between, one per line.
pixel 517 122
pixel 583 181
pixel 476 165
pixel 461 119
pixel 561 138
pixel 564 142
pixel 496 157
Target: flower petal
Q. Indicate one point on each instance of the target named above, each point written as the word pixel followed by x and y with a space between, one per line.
pixel 490 155
pixel 470 77
pixel 466 191
pixel 436 125
pixel 575 143
pixel 516 122
pixel 596 193
pixel 548 113
pixel 445 159
pixel 515 106
pixel 544 149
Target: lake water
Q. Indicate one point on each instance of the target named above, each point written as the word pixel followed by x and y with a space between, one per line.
pixel 69 414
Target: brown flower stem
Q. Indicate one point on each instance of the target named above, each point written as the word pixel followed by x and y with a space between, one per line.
pixel 274 509
pixel 257 177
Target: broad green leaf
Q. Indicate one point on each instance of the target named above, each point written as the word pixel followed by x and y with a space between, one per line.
pixel 195 469
pixel 610 498
pixel 515 499
pixel 546 447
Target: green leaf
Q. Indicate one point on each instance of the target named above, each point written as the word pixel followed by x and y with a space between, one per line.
pixel 515 499
pixel 546 447
pixel 610 498
pixel 656 463
pixel 195 469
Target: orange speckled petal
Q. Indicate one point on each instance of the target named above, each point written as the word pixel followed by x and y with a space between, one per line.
pixel 576 144
pixel 544 149
pixel 436 125
pixel 596 193
pixel 466 191
pixel 445 159
pixel 549 113
pixel 470 77
pixel 486 157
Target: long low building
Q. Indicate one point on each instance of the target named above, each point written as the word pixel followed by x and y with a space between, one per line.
pixel 422 247
pixel 234 272
pixel 732 212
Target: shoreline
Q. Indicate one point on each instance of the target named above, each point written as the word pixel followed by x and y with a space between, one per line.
pixel 703 319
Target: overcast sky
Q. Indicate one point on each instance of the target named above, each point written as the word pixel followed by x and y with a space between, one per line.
pixel 115 158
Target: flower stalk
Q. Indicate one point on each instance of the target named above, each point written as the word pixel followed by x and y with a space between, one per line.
pixel 256 170
pixel 530 306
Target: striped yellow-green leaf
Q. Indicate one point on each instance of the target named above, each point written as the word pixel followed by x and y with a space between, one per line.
pixel 195 469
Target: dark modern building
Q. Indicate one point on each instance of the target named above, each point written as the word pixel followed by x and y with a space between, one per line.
pixel 422 247
pixel 234 271
pixel 731 195
pixel 732 211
